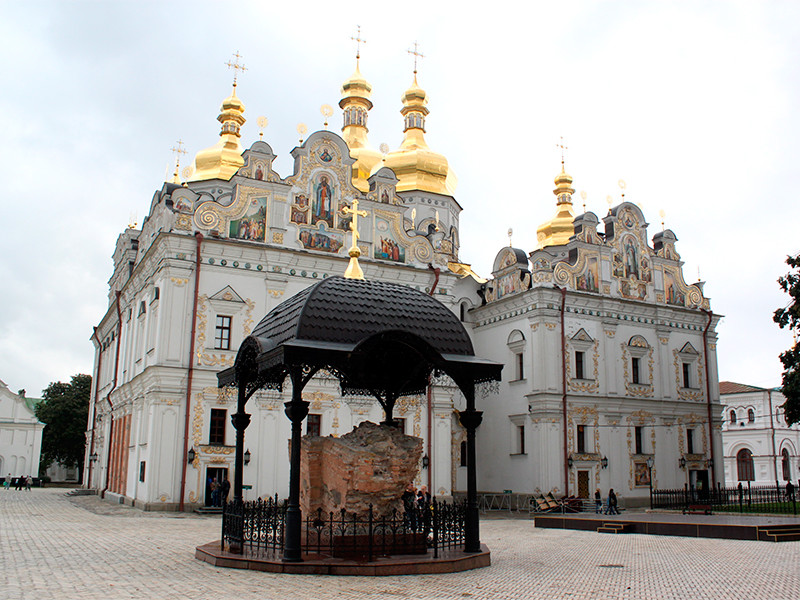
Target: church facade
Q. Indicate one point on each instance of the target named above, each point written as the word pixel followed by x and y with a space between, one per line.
pixel 609 355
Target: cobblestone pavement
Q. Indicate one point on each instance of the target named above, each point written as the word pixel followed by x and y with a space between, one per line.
pixel 52 546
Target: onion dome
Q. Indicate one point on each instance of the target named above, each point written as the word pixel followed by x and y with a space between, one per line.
pixel 223 159
pixel 416 166
pixel 355 104
pixel 558 230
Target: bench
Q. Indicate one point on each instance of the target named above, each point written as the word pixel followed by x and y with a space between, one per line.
pixel 697 509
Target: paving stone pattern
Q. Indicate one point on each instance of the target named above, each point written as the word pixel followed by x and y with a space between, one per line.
pixel 52 546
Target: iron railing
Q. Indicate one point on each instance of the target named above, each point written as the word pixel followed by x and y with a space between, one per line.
pixel 257 529
pixel 753 499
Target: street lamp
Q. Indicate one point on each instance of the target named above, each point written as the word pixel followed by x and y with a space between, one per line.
pixel 570 462
pixel 604 462
pixel 682 462
pixel 649 463
pixel 247 457
pixel 426 462
pixel 190 455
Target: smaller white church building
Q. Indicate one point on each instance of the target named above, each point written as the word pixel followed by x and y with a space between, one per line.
pixel 20 434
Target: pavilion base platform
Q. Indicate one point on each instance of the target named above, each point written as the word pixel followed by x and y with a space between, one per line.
pixel 449 561
pixel 729 527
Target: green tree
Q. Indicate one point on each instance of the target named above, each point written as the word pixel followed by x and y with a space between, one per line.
pixel 64 410
pixel 790 317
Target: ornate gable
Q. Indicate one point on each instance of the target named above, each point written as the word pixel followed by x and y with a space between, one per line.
pixel 509 276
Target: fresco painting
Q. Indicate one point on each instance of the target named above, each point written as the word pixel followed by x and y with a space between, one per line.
pixel 588 281
pixel 321 239
pixel 386 247
pixel 253 224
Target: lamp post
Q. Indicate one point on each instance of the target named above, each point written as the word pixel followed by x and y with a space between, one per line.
pixel 650 478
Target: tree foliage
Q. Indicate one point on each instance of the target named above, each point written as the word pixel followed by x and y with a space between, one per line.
pixel 790 317
pixel 64 410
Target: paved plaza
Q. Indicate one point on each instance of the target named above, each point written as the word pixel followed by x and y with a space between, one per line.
pixel 53 546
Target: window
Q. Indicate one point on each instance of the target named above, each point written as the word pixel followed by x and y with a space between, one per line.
pixel 744 465
pixel 579 365
pixel 464 453
pixel 581 441
pixel 401 423
pixel 156 294
pixel 638 437
pixel 520 366
pixel 733 417
pixel 520 439
pixel 751 415
pixel 687 375
pixel 314 424
pixel 635 370
pixel 142 308
pixel 785 465
pixel 222 338
pixel 141 470
pixel 216 432
pixel 690 441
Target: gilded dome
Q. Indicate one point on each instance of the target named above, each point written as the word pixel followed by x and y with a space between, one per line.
pixel 558 230
pixel 416 166
pixel 223 159
pixel 355 104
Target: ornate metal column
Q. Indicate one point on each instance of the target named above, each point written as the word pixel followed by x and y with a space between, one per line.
pixel 240 422
pixel 470 420
pixel 296 410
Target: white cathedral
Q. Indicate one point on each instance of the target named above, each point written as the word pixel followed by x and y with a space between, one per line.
pixel 610 377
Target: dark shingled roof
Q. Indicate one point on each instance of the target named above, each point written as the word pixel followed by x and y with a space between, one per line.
pixel 348 311
pixel 376 337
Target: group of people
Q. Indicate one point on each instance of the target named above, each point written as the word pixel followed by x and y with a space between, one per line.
pixel 20 482
pixel 416 508
pixel 219 491
pixel 611 503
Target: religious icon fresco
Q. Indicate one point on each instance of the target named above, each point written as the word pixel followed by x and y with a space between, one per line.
pixel 183 206
pixel 641 474
pixel 325 155
pixel 321 239
pixel 386 246
pixel 323 201
pixel 252 225
pixel 300 210
pixel 672 292
pixel 259 172
pixel 589 280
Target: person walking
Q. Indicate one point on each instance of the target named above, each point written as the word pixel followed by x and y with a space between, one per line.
pixel 225 489
pixel 7 482
pixel 28 483
pixel 612 502
pixel 598 502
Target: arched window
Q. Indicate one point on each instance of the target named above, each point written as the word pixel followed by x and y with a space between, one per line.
pixel 744 465
pixel 785 464
pixel 751 415
pixel 733 417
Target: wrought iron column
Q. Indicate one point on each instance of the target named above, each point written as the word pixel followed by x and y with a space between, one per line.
pixel 296 410
pixel 240 421
pixel 470 420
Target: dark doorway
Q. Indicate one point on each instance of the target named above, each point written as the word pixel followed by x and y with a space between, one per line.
pixel 220 473
pixel 698 479
pixel 583 484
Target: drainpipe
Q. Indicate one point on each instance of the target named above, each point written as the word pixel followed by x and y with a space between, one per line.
pixel 108 397
pixel 199 237
pixel 564 387
pixel 772 429
pixel 436 272
pixel 710 316
pixel 94 406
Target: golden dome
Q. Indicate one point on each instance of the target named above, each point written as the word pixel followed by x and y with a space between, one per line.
pixel 223 159
pixel 558 230
pixel 355 104
pixel 417 166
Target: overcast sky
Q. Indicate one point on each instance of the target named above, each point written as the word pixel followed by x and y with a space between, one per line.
pixel 693 104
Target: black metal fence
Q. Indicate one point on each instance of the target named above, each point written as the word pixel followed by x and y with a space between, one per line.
pixel 257 529
pixel 753 499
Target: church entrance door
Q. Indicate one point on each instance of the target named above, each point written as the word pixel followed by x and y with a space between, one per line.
pixel 583 484
pixel 218 473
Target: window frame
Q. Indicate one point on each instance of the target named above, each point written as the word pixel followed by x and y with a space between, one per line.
pixel 217 422
pixel 221 340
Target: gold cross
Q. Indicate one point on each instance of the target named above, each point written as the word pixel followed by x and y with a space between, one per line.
pixel 236 66
pixel 353 269
pixel 178 150
pixel 358 40
pixel 563 147
pixel 416 54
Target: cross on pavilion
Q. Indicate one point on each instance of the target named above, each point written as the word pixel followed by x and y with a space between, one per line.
pixel 354 269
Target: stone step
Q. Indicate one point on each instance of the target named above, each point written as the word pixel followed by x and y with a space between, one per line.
pixel 81 492
pixel 612 528
pixel 209 510
pixel 787 534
